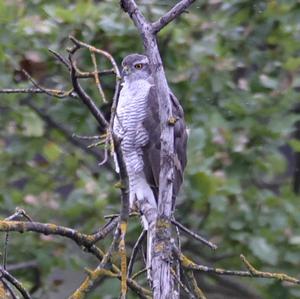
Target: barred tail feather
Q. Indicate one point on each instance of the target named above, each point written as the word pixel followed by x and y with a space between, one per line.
pixel 145 200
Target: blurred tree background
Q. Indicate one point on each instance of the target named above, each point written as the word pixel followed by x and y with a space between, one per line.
pixel 235 66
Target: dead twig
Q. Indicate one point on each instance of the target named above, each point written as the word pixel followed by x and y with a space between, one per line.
pixel 171 15
pixel 189 264
pixel 135 251
pixel 51 92
pixel 12 280
pixel 194 235
pixel 96 76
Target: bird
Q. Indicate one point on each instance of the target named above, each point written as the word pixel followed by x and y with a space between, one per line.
pixel 137 125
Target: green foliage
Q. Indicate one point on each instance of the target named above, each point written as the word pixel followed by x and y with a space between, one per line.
pixel 235 67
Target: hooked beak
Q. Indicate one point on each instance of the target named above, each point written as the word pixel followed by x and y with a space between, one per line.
pixel 125 71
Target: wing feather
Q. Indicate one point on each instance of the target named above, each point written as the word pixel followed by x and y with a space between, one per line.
pixel 151 152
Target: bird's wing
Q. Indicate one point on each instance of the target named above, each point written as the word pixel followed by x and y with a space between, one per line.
pixel 180 144
pixel 151 152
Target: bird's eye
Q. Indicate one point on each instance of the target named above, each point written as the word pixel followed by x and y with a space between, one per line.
pixel 138 66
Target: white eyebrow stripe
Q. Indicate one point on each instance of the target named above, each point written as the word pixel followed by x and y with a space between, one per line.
pixel 142 61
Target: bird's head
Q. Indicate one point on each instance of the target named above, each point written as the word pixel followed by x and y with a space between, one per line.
pixel 135 67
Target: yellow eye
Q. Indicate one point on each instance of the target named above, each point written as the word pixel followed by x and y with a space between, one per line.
pixel 138 66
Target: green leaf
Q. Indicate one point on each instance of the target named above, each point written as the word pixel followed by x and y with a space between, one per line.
pixel 295 144
pixel 32 125
pixel 52 151
pixel 263 250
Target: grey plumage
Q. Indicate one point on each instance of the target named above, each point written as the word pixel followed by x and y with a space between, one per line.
pixel 137 124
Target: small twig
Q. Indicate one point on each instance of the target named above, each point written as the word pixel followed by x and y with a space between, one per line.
pixel 60 58
pixel 15 283
pixel 85 75
pixel 194 235
pixel 193 283
pixel 22 265
pixel 191 296
pixel 51 92
pixel 98 51
pixel 134 252
pixel 9 289
pixel 189 264
pixel 21 90
pixel 19 212
pixel 37 91
pixel 105 230
pixel 177 263
pixel 96 137
pixel 256 273
pixel 135 275
pixel 96 76
pixel 172 14
pixel 95 275
pixel 53 229
pixel 132 214
pixel 4 259
pixel 87 100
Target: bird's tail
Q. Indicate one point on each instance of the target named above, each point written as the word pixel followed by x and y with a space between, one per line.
pixel 145 200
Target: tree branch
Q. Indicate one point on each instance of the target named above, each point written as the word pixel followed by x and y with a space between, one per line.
pixel 252 272
pixel 86 99
pixel 134 251
pixel 53 229
pixel 172 14
pixel 194 235
pixel 5 274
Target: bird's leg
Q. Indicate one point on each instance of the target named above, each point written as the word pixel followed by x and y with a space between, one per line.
pixel 103 140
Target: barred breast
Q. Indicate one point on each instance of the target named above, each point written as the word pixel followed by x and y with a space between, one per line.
pixel 128 123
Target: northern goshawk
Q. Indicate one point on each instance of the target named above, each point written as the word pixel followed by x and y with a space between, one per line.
pixel 137 125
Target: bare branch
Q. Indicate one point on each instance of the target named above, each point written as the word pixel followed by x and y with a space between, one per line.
pixel 96 77
pixel 189 264
pixel 130 7
pixel 61 59
pixel 172 14
pixel 134 252
pixel 53 229
pixel 193 234
pixel 8 288
pixel 95 275
pixel 51 92
pixel 194 286
pixel 105 230
pixel 191 296
pixel 21 90
pixel 87 100
pixel 80 74
pixel 135 275
pixel 99 51
pixel 19 212
pixel 5 274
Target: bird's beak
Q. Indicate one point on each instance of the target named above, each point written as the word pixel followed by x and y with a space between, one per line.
pixel 125 71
